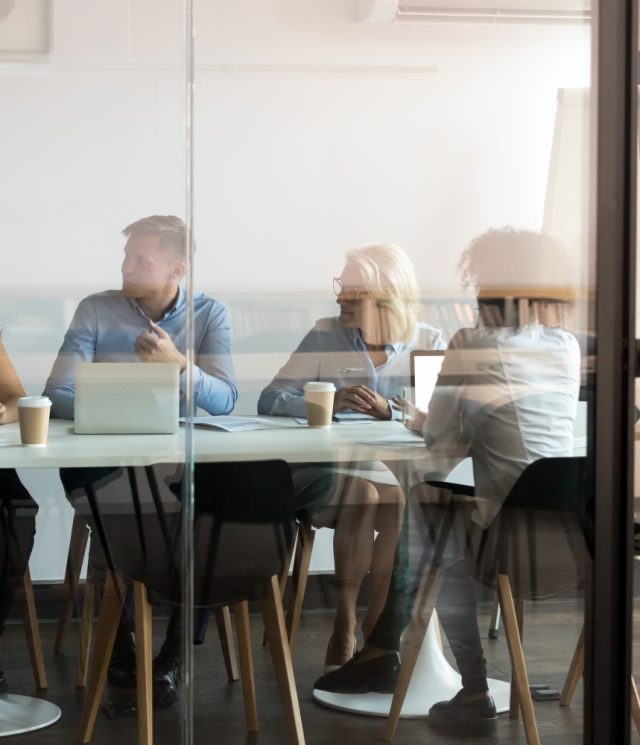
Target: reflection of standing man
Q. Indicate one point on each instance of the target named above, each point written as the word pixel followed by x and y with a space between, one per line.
pixel 146 320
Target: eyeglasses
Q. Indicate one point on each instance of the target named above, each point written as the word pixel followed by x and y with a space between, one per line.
pixel 349 294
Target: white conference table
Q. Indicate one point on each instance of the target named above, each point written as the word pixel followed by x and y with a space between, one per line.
pixel 434 679
pixel 292 442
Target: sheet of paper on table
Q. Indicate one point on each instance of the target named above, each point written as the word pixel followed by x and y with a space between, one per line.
pixel 227 423
pixel 401 440
pixel 353 416
pixel 344 417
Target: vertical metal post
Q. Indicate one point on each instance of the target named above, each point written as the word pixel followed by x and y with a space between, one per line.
pixel 188 496
pixel 608 628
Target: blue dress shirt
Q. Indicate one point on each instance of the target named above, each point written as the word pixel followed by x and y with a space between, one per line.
pixel 105 327
pixel 332 353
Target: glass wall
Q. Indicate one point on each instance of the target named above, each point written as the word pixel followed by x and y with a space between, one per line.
pixel 361 195
pixel 95 142
pixel 320 128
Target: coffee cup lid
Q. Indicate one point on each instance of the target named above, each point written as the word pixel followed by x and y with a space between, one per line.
pixel 319 386
pixel 34 402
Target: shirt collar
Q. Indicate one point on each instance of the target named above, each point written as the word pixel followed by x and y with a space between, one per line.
pixel 359 342
pixel 179 304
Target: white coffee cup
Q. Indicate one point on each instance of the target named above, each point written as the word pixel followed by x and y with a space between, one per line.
pixel 33 416
pixel 319 398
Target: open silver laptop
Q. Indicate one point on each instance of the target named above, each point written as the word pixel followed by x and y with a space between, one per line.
pixel 425 366
pixel 127 398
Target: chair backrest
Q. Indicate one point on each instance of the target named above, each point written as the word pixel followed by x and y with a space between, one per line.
pixel 556 484
pixel 244 518
pixel 539 538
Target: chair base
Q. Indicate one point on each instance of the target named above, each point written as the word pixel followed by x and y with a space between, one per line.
pixel 433 680
pixel 20 714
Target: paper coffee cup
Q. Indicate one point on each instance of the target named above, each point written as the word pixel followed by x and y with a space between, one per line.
pixel 33 416
pixel 319 398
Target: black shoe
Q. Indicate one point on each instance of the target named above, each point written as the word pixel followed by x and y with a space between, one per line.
pixel 373 676
pixel 122 668
pixel 167 672
pixel 4 686
pixel 465 715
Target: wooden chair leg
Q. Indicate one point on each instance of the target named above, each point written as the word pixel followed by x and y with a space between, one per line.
pixel 281 656
pixel 423 611
pixel 514 699
pixel 576 668
pixel 302 560
pixel 86 630
pixel 243 629
pixel 519 671
pixel 635 705
pixel 75 557
pixel 284 574
pixel 225 632
pixel 144 673
pixel 110 612
pixel 32 632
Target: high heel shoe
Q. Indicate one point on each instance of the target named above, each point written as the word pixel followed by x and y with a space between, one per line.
pixel 331 668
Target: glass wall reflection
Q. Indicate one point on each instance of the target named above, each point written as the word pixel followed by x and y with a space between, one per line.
pixel 391 290
pixel 350 150
pixel 94 320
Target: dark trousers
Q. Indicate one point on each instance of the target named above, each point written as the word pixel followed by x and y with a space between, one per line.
pixel 17 530
pixel 172 644
pixel 421 546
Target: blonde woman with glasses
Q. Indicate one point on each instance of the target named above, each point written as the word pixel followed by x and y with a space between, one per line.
pixel 365 352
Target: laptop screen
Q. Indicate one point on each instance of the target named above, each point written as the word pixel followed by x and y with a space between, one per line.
pixel 425 366
pixel 127 398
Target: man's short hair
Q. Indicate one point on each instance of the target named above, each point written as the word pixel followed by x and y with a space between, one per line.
pixel 170 229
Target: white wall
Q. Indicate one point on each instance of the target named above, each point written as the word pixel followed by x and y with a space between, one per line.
pixel 313 133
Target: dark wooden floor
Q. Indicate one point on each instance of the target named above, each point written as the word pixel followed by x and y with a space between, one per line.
pixel 551 631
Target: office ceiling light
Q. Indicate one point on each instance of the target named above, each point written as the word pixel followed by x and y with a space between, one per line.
pixel 479 11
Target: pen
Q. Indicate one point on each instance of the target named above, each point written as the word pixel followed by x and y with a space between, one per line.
pixel 404 405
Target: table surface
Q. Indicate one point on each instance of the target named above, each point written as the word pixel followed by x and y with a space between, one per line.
pixel 293 442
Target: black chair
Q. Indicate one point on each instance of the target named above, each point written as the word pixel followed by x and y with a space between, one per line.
pixel 81 486
pixel 535 547
pixel 77 483
pixel 243 529
pixel 17 528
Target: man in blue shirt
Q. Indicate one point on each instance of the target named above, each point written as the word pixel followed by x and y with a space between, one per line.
pixel 146 321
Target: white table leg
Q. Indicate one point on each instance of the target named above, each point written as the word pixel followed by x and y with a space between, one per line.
pixel 20 714
pixel 433 680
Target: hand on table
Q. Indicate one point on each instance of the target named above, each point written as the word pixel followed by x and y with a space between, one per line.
pixel 415 417
pixel 362 399
pixel 3 411
pixel 156 345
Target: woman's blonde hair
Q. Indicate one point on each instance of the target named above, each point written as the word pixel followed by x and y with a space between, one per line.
pixel 390 279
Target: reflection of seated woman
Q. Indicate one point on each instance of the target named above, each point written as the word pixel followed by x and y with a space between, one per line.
pixel 506 395
pixel 365 352
pixel 16 533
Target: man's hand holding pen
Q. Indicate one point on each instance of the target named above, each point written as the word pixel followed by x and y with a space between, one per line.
pixel 155 345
